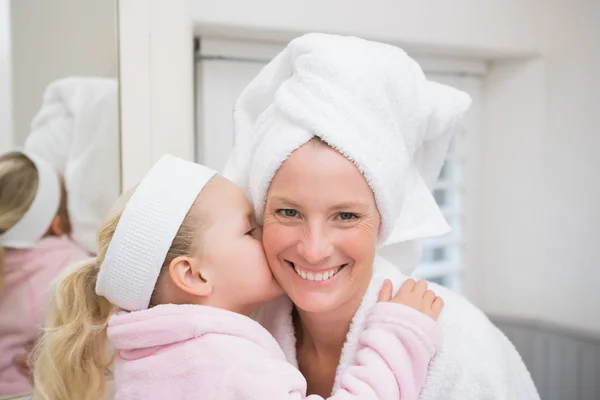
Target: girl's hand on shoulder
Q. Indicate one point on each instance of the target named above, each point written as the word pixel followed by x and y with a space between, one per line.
pixel 414 294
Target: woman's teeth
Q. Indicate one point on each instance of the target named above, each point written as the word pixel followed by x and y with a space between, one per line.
pixel 316 276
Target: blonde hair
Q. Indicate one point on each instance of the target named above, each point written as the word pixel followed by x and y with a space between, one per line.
pixel 18 187
pixel 71 359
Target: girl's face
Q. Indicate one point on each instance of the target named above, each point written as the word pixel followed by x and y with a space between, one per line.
pixel 231 250
pixel 320 229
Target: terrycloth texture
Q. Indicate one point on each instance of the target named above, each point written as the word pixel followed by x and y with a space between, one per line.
pixel 146 230
pixel 77 131
pixel 27 278
pixel 475 360
pixel 190 352
pixel 369 101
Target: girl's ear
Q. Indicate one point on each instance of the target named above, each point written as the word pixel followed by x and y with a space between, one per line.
pixel 188 277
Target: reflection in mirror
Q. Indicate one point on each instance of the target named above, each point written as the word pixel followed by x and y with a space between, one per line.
pixel 59 156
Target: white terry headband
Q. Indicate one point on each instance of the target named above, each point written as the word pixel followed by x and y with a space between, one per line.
pixel 38 218
pixel 146 231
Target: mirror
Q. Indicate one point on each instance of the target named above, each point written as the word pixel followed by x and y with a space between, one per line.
pixel 59 99
pixel 60 168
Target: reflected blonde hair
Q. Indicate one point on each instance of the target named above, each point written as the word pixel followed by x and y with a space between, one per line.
pixel 72 356
pixel 18 187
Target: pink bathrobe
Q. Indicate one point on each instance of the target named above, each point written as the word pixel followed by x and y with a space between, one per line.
pixel 190 352
pixel 27 275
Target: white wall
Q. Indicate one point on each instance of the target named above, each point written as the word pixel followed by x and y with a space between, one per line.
pixel 6 128
pixel 549 267
pixel 500 27
pixel 541 223
pixel 157 84
pixel 55 39
pixel 512 225
pixel 571 165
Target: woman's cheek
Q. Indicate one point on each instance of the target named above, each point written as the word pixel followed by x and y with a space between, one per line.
pixel 358 244
pixel 273 237
pixel 360 236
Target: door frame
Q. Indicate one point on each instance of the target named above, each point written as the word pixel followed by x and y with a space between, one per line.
pixel 156 61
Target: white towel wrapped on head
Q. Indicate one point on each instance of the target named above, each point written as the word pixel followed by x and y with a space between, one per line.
pixel 77 132
pixel 372 103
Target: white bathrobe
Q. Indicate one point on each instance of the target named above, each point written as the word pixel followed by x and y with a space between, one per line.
pixel 475 361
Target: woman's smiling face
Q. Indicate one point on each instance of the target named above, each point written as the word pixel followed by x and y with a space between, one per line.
pixel 320 229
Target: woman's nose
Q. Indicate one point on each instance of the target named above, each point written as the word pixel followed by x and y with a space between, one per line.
pixel 315 245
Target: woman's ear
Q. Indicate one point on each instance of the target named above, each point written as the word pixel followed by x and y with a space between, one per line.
pixel 186 274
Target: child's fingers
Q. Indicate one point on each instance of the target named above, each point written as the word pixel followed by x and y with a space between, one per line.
pixel 437 307
pixel 420 287
pixel 428 298
pixel 408 286
pixel 385 294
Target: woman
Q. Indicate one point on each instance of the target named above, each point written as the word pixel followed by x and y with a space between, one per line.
pixel 338 142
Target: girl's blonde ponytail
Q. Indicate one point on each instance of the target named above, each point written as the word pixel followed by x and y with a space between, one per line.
pixel 72 357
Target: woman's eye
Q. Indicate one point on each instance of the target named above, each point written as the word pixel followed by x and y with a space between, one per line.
pixel 288 212
pixel 251 231
pixel 346 216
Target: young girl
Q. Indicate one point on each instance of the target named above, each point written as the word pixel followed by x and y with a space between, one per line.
pixel 34 248
pixel 178 272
